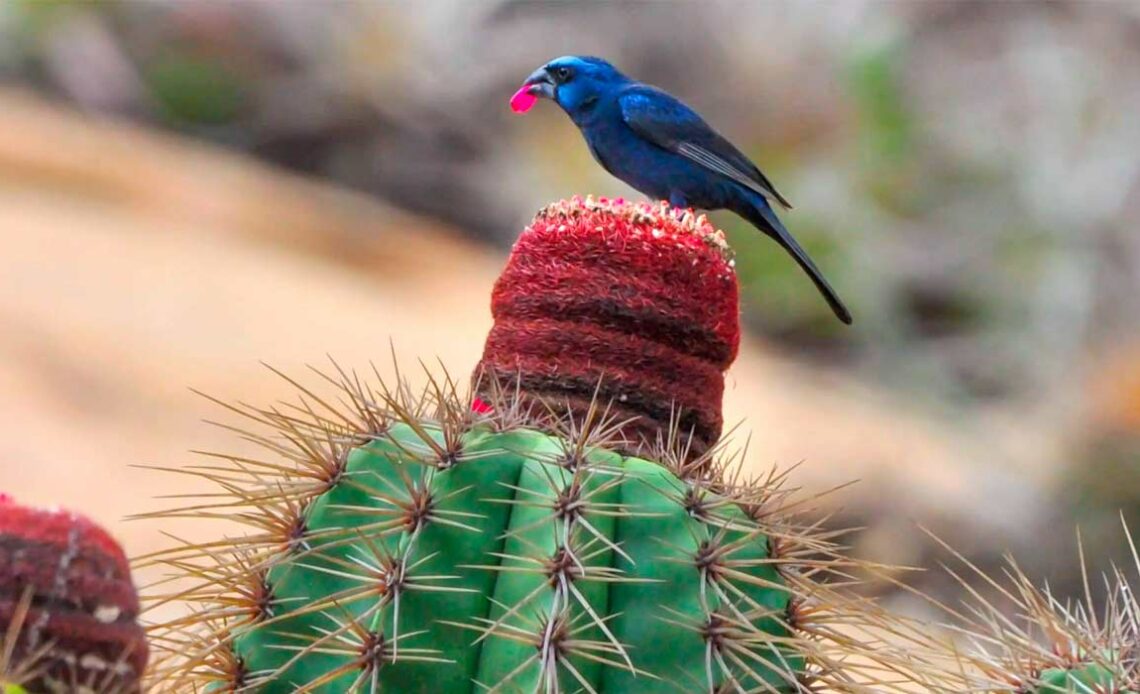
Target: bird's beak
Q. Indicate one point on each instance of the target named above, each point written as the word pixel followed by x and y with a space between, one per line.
pixel 540 84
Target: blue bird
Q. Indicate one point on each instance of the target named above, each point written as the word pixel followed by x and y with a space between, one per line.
pixel 655 143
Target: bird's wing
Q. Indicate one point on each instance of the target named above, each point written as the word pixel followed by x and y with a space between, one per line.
pixel 670 124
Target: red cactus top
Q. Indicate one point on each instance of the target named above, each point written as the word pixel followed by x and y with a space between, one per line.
pixel 641 298
pixel 81 618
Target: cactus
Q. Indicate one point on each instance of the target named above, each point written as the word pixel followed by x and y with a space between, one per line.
pixel 1050 646
pixel 572 526
pixel 68 604
pixel 1013 637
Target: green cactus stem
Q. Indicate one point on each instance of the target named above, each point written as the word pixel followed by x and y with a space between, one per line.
pixel 1088 677
pixel 515 560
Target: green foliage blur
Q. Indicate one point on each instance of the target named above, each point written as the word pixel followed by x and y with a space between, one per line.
pixel 194 90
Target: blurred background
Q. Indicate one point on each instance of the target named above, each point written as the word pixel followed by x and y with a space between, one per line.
pixel 190 188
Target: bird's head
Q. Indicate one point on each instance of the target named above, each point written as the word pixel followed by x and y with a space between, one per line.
pixel 576 83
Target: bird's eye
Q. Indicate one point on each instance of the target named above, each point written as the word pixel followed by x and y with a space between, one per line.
pixel 562 73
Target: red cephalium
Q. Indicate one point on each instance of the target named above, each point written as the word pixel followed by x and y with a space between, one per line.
pixel 70 582
pixel 640 298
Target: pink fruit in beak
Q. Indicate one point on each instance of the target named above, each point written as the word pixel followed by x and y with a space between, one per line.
pixel 523 100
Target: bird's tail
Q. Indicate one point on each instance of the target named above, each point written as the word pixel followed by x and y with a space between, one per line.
pixel 760 213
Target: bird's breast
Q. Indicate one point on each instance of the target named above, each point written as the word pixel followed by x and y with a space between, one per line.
pixel 629 158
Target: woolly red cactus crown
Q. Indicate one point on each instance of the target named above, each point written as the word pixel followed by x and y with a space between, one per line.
pixel 66 591
pixel 636 302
